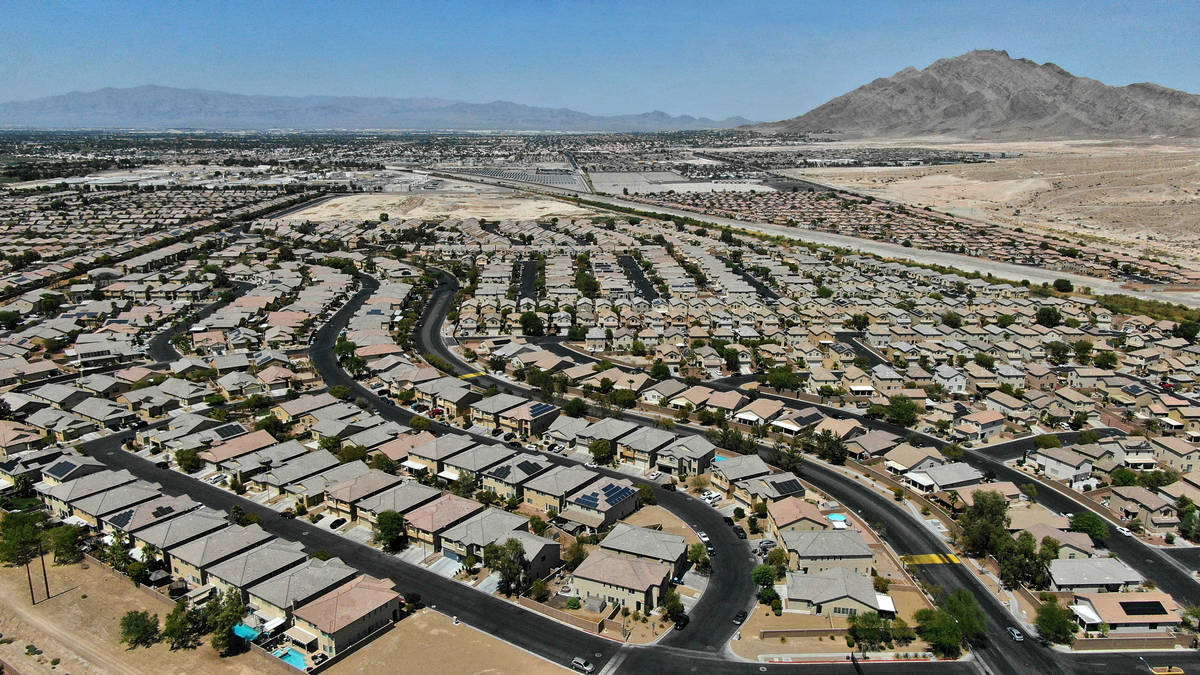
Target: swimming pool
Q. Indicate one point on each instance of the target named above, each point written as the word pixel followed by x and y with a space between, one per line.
pixel 291 656
pixel 837 516
pixel 246 632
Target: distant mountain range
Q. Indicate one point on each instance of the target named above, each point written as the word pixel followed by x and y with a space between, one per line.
pixel 987 94
pixel 153 107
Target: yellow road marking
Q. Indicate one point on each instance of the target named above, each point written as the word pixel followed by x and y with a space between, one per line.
pixel 470 375
pixel 931 559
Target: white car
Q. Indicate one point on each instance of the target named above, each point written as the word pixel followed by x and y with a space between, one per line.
pixel 702 535
pixel 655 476
pixel 1125 531
pixel 592 465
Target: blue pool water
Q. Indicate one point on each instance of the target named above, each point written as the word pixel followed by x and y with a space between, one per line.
pixel 291 657
pixel 837 516
pixel 246 632
pixel 719 458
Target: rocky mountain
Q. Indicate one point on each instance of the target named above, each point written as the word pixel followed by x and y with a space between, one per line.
pixel 153 107
pixel 988 94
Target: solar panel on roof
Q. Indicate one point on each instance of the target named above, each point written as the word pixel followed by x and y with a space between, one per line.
pixel 788 486
pixel 1143 608
pixel 618 496
pixel 528 467
pixel 228 431
pixel 541 409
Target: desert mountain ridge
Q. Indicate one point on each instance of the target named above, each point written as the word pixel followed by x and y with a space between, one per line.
pixel 157 107
pixel 988 94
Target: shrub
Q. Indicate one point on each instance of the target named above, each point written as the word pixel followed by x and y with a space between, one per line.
pixel 573 603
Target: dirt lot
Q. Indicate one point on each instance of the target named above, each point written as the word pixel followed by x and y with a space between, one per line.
pixel 80 626
pixel 1144 194
pixel 492 206
pixel 429 642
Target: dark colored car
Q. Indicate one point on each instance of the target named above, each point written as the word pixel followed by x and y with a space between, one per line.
pixel 728 520
pixel 682 622
pixel 288 514
pixel 712 552
pixel 670 487
pixel 739 531
pixel 162 464
pixel 337 523
pixel 740 617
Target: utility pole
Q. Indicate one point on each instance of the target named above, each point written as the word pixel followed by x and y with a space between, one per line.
pixel 45 577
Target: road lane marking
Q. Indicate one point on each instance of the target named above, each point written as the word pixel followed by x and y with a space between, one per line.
pixel 931 559
pixel 470 375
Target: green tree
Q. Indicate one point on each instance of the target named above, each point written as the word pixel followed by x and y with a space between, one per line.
pixel 531 324
pixel 575 555
pixel 66 543
pixel 698 556
pixel 229 610
pixel 507 560
pixel 764 576
pixel 1083 351
pixel 139 629
pixel 1106 360
pixel 660 371
pixel 902 410
pixel 1055 622
pixel 869 631
pixel 1048 317
pixel 1058 352
pixel 963 606
pixel 575 407
pixel 1091 524
pixel 672 606
pixel 952 320
pixel 984 524
pixel 340 391
pixel 1045 441
pixel 188 460
pixel 389 529
pixel 177 630
pixel 538 590
pixel 601 450
pixel 1124 477
pixel 941 631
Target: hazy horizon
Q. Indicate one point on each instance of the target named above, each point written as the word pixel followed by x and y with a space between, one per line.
pixel 759 61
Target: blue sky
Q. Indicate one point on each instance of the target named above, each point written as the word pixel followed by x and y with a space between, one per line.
pixel 757 59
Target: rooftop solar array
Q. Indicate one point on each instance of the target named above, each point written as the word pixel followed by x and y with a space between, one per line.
pixel 1140 608
pixel 615 494
pixel 541 408
pixel 788 486
pixel 228 431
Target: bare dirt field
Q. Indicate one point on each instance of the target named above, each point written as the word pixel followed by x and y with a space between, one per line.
pixel 1142 194
pixel 437 204
pixel 429 642
pixel 79 625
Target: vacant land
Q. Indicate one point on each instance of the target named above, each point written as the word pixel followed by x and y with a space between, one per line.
pixel 429 642
pixel 79 625
pixel 489 205
pixel 1144 195
pixel 616 182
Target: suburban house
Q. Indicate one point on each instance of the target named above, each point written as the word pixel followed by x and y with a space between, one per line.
pixel 272 601
pixel 549 490
pixel 190 561
pixel 602 503
pixel 793 514
pixel 1093 575
pixel 1066 465
pixel 179 530
pixel 835 592
pixel 345 616
pixel 255 565
pixel 943 477
pixel 687 456
pixel 818 550
pixel 342 498
pixel 727 472
pixel 1135 502
pixel 507 479
pixel 468 537
pixel 400 498
pixel 425 524
pixel 622 580
pixel 1130 612
pixel 643 542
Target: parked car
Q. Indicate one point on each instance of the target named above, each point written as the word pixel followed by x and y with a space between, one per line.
pixel 711 550
pixel 1125 531
pixel 582 665
pixel 739 531
pixel 728 520
pixel 682 622
pixel 670 487
pixel 655 475
pixel 592 465
pixel 530 446
pixel 288 514
pixel 740 617
pixel 1016 634
pixel 703 535
pixel 337 523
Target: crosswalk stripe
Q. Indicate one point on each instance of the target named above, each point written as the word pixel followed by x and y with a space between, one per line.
pixel 470 375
